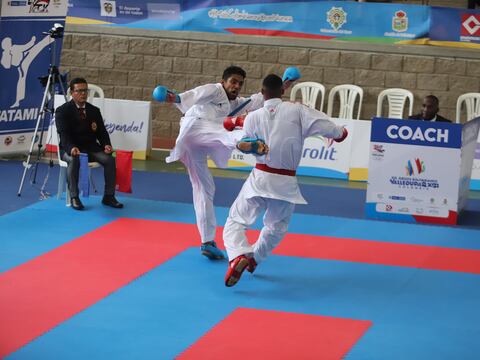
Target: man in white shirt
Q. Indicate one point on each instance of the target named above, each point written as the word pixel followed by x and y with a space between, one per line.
pixel 202 135
pixel 272 185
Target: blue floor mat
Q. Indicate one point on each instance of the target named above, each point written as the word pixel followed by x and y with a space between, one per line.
pixel 416 314
pixel 22 243
pixel 176 187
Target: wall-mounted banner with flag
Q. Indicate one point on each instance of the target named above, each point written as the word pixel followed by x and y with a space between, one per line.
pixel 319 19
pixel 27 50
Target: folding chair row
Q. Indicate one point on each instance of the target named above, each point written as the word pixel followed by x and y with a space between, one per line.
pixel 347 94
pixel 313 95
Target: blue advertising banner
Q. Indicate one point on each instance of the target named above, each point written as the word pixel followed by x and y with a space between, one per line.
pixel 455 25
pixel 305 19
pixel 27 50
pixel 25 56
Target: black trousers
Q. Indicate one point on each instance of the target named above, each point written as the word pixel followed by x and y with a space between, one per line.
pixel 73 170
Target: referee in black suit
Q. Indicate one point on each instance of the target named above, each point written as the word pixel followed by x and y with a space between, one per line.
pixel 81 130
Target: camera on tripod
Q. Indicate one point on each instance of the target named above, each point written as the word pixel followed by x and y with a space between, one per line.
pixel 56 32
pixel 51 83
pixel 62 78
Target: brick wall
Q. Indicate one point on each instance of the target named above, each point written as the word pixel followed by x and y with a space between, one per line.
pixel 129 63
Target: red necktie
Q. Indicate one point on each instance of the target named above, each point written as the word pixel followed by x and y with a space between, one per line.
pixel 81 113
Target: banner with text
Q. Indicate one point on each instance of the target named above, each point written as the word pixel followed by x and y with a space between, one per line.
pixel 127 123
pixel 344 20
pixel 28 48
pixel 455 25
pixel 414 171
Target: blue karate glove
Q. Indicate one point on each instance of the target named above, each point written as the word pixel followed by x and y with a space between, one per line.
pixel 252 146
pixel 163 94
pixel 291 73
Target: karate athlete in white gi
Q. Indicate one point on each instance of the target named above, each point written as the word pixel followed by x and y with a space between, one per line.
pixel 272 185
pixel 202 135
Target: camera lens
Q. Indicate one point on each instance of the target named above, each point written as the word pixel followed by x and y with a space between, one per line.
pixel 56 31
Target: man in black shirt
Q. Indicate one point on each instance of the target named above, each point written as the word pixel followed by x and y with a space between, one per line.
pixel 429 111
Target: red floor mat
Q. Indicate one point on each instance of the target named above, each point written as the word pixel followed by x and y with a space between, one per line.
pixel 382 253
pixel 45 291
pixel 262 334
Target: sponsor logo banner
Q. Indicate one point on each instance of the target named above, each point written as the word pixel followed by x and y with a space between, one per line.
pixel 310 19
pixel 452 24
pixel 34 8
pixel 26 52
pixel 414 167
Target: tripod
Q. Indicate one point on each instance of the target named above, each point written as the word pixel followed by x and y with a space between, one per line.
pixel 46 107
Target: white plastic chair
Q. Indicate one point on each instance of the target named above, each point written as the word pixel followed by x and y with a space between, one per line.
pixel 472 106
pixel 396 102
pixel 309 91
pixel 62 177
pixel 348 95
pixel 95 91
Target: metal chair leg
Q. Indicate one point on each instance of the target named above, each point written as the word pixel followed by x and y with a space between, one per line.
pixel 61 181
pixel 91 181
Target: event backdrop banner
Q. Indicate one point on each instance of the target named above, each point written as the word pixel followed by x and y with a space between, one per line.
pixel 26 54
pixel 455 25
pixel 415 170
pixel 127 123
pixel 305 19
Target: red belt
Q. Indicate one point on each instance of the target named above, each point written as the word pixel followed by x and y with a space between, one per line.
pixel 269 169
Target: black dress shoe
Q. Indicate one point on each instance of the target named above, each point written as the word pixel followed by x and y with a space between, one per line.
pixel 76 203
pixel 110 200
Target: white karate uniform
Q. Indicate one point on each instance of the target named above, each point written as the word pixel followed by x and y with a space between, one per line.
pixel 284 126
pixel 202 135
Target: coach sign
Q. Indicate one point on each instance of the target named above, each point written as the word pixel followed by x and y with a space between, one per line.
pixel 419 171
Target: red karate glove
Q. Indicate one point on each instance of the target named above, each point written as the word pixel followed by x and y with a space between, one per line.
pixel 343 137
pixel 232 122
